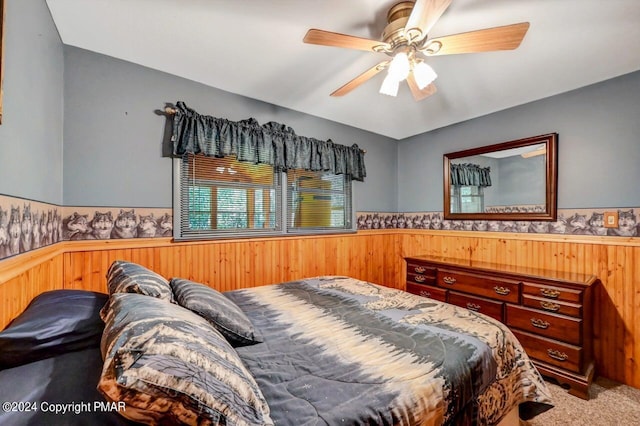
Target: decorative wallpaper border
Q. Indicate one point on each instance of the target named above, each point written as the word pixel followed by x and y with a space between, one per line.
pixel 569 221
pixel 27 225
pixel 91 223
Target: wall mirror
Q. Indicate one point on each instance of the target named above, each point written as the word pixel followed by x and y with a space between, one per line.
pixel 514 180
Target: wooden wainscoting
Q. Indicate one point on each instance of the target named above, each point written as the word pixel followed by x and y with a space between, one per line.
pixel 375 256
pixel 233 264
pixel 224 265
pixel 23 277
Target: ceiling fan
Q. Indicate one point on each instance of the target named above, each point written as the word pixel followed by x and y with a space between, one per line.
pixel 405 40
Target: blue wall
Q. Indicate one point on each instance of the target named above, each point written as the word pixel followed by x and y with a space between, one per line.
pixel 31 131
pixel 113 153
pixel 598 148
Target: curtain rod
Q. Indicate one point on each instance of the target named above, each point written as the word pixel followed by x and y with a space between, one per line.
pixel 172 111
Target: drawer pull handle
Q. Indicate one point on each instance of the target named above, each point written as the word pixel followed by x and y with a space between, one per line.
pixel 557 355
pixel 425 293
pixel 538 323
pixel 550 293
pixel 549 306
pixel 473 307
pixel 502 291
pixel 449 280
pixel 420 278
pixel 420 269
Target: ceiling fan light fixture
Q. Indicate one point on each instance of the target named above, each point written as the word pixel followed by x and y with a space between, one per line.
pixel 423 74
pixel 390 86
pixel 400 67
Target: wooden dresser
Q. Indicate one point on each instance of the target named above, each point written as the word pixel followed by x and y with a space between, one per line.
pixel 548 311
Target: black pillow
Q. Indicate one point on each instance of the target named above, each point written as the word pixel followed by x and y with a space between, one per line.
pixel 55 322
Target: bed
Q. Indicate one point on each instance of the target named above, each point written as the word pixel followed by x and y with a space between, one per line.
pixel 326 350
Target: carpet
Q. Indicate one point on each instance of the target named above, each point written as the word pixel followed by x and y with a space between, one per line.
pixel 610 404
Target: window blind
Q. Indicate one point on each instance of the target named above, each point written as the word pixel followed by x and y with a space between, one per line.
pixel 224 196
pixel 317 201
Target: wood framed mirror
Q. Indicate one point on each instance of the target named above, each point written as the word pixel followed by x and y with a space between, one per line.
pixel 515 180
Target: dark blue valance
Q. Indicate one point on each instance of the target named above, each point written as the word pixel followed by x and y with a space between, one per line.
pixel 270 143
pixel 470 175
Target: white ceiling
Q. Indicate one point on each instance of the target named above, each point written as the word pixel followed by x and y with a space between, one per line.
pixel 255 49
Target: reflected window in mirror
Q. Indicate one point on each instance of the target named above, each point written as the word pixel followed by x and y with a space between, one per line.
pixel 468 181
pixel 467 199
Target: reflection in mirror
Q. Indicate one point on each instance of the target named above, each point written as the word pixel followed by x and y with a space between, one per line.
pixel 508 181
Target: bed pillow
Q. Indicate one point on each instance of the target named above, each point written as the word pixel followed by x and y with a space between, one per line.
pixel 170 366
pixel 213 306
pixel 55 322
pixel 128 277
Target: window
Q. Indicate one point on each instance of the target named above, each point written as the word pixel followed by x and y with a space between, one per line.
pixel 467 199
pixel 317 200
pixel 218 197
pixel 223 196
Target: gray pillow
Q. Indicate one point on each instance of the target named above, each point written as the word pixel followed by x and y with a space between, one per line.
pixel 170 366
pixel 128 277
pixel 213 306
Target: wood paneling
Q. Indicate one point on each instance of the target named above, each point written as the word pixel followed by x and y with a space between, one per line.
pixel 25 276
pixel 233 264
pixel 375 256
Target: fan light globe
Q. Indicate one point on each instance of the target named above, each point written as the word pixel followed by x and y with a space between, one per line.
pixel 423 74
pixel 399 67
pixel 389 86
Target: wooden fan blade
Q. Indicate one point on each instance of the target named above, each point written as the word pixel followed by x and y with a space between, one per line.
pixel 424 15
pixel 361 79
pixel 328 38
pixel 418 94
pixel 507 37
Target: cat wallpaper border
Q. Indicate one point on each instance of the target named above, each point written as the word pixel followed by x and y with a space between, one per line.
pixel 569 222
pixel 27 225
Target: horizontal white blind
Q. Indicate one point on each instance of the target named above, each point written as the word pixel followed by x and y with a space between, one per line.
pixel 224 196
pixel 317 201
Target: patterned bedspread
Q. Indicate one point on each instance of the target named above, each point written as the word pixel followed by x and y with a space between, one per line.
pixel 340 351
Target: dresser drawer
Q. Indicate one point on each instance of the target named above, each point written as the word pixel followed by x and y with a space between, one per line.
pixel 421 279
pixel 416 268
pixel 507 291
pixel 555 306
pixel 552 292
pixel 548 311
pixel 488 307
pixel 558 327
pixel 427 291
pixel 551 351
pixel 421 274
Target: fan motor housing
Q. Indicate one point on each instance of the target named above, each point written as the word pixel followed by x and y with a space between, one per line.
pixel 397 18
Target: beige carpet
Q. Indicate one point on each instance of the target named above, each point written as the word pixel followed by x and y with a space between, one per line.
pixel 610 404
